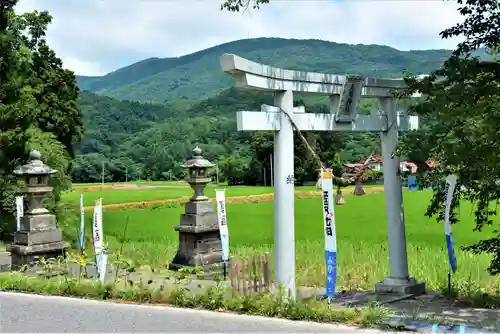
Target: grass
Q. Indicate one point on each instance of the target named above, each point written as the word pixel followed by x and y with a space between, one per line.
pixel 362 241
pixel 213 298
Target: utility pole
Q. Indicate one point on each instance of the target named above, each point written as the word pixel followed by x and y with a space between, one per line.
pixel 265 177
pixel 102 173
pixel 126 174
pixel 216 173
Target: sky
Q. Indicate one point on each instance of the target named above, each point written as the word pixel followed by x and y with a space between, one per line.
pixel 94 37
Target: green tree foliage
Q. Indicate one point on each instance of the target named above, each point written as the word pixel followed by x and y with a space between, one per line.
pixel 237 5
pixel 150 141
pixel 461 107
pixel 37 103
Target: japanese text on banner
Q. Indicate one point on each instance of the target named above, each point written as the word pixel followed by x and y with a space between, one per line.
pixel 220 198
pixel 97 227
pixel 330 233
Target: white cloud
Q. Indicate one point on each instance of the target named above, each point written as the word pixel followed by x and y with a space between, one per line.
pixel 96 36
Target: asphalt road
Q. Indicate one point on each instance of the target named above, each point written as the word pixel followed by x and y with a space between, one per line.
pixel 39 314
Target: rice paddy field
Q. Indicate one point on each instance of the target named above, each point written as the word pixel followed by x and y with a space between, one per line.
pixel 147 193
pixel 361 235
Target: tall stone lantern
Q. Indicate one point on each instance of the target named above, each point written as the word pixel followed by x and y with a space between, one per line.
pixel 199 235
pixel 38 235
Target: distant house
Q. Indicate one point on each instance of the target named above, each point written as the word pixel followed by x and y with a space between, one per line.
pixel 412 167
pixel 377 163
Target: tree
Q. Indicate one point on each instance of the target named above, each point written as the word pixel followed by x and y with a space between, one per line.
pixel 461 109
pixel 237 5
pixel 37 104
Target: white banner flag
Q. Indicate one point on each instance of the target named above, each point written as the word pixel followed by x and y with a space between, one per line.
pixel 330 233
pixel 81 242
pixel 19 211
pixel 97 228
pixel 102 264
pixel 220 198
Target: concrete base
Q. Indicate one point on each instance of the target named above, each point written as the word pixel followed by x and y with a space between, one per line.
pixel 197 250
pixel 207 261
pixel 31 255
pixel 5 261
pixel 199 237
pixel 37 238
pixel 400 286
pixel 37 223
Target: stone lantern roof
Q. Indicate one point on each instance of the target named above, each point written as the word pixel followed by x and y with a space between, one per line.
pixel 34 167
pixel 197 161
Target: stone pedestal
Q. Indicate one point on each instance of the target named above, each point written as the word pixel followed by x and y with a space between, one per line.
pixel 38 237
pixel 400 286
pixel 5 261
pixel 199 237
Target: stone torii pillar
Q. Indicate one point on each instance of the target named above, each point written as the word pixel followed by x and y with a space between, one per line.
pixel 344 92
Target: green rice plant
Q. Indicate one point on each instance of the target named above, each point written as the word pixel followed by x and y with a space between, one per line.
pixel 361 239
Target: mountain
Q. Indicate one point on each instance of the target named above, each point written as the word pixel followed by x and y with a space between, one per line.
pixel 198 76
pixel 143 120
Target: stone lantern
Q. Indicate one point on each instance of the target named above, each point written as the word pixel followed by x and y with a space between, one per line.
pixel 197 176
pixel 38 235
pixel 199 235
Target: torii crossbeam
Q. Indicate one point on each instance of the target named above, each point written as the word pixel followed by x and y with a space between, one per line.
pixel 344 92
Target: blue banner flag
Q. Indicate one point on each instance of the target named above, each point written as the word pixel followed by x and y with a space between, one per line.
pixel 330 234
pixel 451 183
pixel 81 243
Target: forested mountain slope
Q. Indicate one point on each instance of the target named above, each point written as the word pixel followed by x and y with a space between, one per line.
pixel 199 75
pixel 151 141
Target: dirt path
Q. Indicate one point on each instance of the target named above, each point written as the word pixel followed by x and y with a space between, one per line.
pixel 261 198
pixel 128 186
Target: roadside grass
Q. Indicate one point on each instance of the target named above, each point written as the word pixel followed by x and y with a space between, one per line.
pixel 213 298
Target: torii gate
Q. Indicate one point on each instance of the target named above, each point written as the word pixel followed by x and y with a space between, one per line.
pixel 344 92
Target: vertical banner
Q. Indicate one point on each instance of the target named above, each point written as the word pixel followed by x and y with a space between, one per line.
pixel 81 243
pixel 19 212
pixel 97 228
pixel 330 234
pixel 451 183
pixel 102 264
pixel 220 198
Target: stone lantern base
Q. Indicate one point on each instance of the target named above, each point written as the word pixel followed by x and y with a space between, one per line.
pixel 39 237
pixel 199 237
